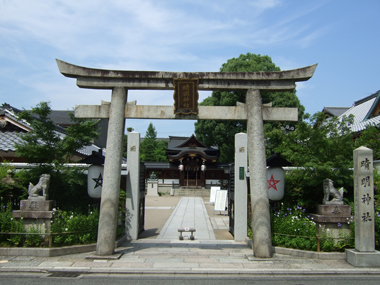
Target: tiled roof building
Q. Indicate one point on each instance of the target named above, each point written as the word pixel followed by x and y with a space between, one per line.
pixel 11 129
pixel 334 111
pixel 366 112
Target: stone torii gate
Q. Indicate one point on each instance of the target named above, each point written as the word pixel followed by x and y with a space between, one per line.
pixel 253 111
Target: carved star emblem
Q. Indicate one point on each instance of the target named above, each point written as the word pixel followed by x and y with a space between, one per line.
pixel 272 183
pixel 98 181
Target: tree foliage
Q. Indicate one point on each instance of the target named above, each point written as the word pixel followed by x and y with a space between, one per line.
pixel 150 148
pixel 370 138
pixel 10 186
pixel 321 148
pixel 125 145
pixel 68 186
pixel 222 133
pixel 45 145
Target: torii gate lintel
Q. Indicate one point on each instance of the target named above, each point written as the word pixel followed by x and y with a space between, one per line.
pixel 163 80
pixel 157 112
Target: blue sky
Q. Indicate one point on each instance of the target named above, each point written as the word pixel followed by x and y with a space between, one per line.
pixel 342 36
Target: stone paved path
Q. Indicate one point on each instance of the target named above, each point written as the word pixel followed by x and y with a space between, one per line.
pixel 189 212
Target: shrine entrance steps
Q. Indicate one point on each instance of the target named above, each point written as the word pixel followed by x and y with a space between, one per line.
pixel 192 192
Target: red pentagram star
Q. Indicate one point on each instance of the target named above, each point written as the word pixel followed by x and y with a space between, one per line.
pixel 272 183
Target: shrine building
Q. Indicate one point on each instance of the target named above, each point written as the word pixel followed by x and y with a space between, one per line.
pixel 191 164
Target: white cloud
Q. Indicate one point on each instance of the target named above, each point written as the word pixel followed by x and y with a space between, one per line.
pixel 309 38
pixel 191 35
pixel 141 30
pixel 263 5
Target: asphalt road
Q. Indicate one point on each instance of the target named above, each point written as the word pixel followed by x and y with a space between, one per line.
pixel 85 279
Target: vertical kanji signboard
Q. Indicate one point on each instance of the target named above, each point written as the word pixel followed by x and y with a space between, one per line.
pixel 185 96
pixel 364 206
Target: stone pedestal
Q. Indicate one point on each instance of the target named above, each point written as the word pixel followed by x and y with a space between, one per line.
pixel 36 212
pixel 152 188
pixel 333 220
pixel 332 214
pixel 363 259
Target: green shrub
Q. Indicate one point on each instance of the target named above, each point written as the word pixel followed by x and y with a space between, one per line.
pixel 34 240
pixel 9 225
pixel 73 222
pixel 327 245
pixel 294 228
pixel 80 229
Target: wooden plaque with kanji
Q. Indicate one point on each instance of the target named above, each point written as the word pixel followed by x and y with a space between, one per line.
pixel 185 96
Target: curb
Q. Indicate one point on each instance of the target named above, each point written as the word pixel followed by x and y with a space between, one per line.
pixel 206 271
pixel 304 253
pixel 50 252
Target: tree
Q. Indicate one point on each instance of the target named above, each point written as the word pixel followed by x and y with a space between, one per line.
pixel 125 145
pixel 148 144
pixel 150 148
pixel 159 152
pixel 68 186
pixel 45 145
pixel 321 148
pixel 222 133
pixel 370 137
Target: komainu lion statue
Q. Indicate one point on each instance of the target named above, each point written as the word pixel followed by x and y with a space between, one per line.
pixel 42 186
pixel 330 191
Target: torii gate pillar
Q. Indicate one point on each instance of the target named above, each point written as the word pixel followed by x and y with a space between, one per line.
pixel 112 168
pixel 261 227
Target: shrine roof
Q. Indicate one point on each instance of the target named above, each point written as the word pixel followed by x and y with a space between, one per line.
pixel 365 111
pixel 181 146
pixel 183 142
pixel 61 117
pixel 175 141
pixel 335 111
